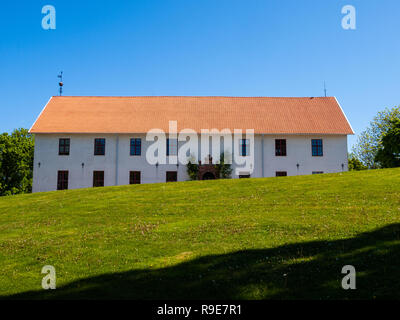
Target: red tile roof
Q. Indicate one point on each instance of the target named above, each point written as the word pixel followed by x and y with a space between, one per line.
pixel 321 115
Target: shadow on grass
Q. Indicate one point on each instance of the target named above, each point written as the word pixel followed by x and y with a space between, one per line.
pixel 309 270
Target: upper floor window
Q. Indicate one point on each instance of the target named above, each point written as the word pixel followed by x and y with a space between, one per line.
pixel 316 145
pixel 63 147
pixel 136 147
pixel 244 149
pixel 172 147
pixel 280 147
pixel 99 147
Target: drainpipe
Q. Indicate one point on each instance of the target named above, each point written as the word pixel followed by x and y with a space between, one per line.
pixel 262 155
pixel 116 160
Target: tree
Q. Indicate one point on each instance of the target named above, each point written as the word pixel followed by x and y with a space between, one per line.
pixel 388 155
pixel 355 164
pixel 16 162
pixel 192 169
pixel 369 141
pixel 224 169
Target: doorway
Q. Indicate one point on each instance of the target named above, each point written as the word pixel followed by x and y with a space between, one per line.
pixel 208 176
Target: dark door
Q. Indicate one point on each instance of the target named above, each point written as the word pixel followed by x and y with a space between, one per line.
pixel 208 176
pixel 134 177
pixel 172 176
pixel 62 180
pixel 98 178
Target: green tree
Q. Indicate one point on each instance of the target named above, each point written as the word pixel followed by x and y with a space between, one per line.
pixel 355 164
pixel 192 169
pixel 388 155
pixel 224 169
pixel 16 162
pixel 369 141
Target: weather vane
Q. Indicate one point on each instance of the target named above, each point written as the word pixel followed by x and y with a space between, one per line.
pixel 60 83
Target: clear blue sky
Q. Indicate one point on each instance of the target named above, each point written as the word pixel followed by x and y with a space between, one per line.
pixel 200 47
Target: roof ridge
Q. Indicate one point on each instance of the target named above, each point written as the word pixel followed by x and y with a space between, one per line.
pixel 244 97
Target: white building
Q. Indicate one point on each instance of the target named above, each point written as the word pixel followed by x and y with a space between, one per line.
pixel 82 142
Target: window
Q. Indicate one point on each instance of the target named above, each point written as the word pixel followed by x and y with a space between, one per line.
pixel 244 176
pixel 62 180
pixel 98 178
pixel 280 147
pixel 136 147
pixel 317 172
pixel 63 147
pixel 99 147
pixel 280 173
pixel 172 176
pixel 244 147
pixel 316 145
pixel 172 147
pixel 134 177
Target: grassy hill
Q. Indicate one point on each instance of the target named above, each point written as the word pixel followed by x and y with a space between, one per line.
pixel 267 238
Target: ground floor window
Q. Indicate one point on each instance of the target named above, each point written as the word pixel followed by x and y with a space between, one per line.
pixel 317 172
pixel 98 178
pixel 134 177
pixel 280 173
pixel 172 176
pixel 62 180
pixel 241 176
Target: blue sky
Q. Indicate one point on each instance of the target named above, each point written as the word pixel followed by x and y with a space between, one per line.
pixel 200 47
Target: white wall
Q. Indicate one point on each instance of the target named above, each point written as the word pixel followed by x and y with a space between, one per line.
pixel 299 152
pixel 82 147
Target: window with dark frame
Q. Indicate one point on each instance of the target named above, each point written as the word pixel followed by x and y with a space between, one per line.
pixel 317 172
pixel 244 149
pixel 172 176
pixel 136 147
pixel 316 145
pixel 244 176
pixel 62 180
pixel 63 146
pixel 280 173
pixel 280 147
pixel 172 147
pixel 99 147
pixel 98 178
pixel 134 177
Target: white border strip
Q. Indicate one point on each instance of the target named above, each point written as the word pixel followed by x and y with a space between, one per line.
pixel 344 115
pixel 40 114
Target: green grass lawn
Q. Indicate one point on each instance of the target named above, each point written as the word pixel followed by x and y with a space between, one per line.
pixel 273 238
